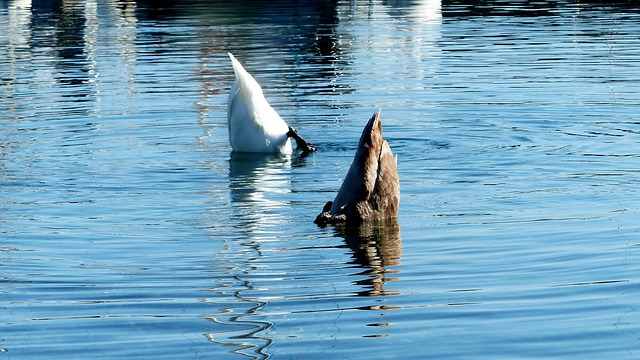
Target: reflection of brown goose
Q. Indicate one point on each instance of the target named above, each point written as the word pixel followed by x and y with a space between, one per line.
pixel 371 190
pixel 377 248
pixel 375 244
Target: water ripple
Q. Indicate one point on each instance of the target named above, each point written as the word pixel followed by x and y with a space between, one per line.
pixel 129 229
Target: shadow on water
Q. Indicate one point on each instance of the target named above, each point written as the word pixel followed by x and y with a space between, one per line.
pixel 376 247
pixel 526 8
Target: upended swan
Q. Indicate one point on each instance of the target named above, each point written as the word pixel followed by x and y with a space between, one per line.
pixel 371 189
pixel 254 126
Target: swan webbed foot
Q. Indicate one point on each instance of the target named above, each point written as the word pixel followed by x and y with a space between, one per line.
pixel 300 142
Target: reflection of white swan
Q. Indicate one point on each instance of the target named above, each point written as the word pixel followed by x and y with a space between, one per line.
pixel 254 126
pixel 258 184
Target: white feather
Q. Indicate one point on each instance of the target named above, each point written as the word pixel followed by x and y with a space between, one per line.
pixel 254 126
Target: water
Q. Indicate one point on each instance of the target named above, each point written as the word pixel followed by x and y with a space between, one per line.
pixel 129 229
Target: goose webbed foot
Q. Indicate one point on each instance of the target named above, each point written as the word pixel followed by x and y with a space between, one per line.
pixel 300 142
pixel 325 217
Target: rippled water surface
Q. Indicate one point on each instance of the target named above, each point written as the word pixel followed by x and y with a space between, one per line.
pixel 128 228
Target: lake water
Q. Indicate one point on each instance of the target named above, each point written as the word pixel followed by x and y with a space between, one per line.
pixel 128 229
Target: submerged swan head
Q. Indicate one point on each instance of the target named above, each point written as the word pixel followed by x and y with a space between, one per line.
pixel 254 126
pixel 371 189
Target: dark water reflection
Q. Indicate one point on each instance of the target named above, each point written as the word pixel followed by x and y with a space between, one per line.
pixel 529 8
pixel 68 23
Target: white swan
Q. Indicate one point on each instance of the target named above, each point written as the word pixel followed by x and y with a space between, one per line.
pixel 254 126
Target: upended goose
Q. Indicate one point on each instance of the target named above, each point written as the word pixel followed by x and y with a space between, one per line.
pixel 371 190
pixel 254 126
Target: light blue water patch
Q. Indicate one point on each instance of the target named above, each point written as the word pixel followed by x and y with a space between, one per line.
pixel 128 229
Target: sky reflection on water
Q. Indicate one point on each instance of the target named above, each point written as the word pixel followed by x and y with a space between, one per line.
pixel 129 229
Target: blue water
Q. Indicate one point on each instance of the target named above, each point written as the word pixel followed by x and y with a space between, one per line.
pixel 128 229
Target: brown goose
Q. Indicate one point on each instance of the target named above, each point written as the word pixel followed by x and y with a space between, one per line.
pixel 371 190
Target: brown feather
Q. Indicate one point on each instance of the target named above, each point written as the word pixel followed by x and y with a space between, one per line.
pixel 371 189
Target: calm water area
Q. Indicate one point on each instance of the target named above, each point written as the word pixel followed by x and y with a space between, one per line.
pixel 129 229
